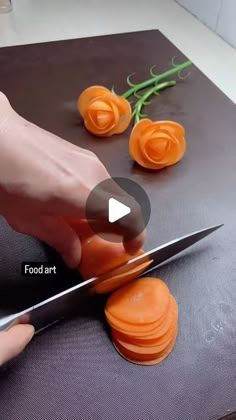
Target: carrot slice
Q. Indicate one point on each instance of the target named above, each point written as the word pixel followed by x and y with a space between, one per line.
pixel 134 147
pixel 119 280
pixel 87 95
pixel 142 330
pixel 162 323
pixel 162 332
pixel 153 330
pixel 143 316
pixel 127 328
pixel 147 333
pixel 164 328
pixel 176 128
pixel 143 301
pixel 125 112
pixel 153 350
pixel 100 256
pixel 81 227
pixel 97 105
pixel 142 359
pixel 141 342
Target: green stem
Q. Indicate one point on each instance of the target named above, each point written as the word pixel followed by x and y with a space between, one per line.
pixel 150 92
pixel 155 79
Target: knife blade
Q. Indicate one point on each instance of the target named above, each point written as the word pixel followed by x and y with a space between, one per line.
pixel 57 307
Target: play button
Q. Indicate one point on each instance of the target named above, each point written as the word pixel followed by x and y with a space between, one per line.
pixel 118 207
pixel 117 210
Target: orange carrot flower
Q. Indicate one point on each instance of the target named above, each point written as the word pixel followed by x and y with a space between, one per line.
pixel 104 113
pixel 155 145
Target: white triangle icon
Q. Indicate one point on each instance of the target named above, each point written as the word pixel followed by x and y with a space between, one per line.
pixel 116 210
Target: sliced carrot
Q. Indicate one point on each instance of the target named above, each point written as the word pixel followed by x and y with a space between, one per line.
pixel 140 302
pixel 125 113
pixel 141 342
pixel 104 119
pixel 142 359
pixel 104 112
pixel 142 330
pixel 100 256
pixel 96 106
pixel 162 323
pixel 136 332
pixel 152 330
pixel 143 316
pixel 146 350
pixel 162 332
pixel 95 250
pixel 87 95
pixel 81 227
pixel 163 329
pixel 176 128
pixel 155 145
pixel 134 146
pixel 119 280
pixel 132 329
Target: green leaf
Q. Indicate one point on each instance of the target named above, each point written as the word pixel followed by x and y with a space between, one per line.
pixel 151 71
pixel 137 95
pixel 128 80
pixel 173 61
pixel 146 103
pixel 183 77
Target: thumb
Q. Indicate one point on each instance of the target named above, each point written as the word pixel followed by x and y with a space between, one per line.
pixel 59 235
pixel 13 341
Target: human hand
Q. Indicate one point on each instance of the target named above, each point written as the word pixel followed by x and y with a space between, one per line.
pixel 14 341
pixel 45 179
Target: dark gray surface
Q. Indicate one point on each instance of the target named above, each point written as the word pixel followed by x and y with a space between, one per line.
pixel 72 371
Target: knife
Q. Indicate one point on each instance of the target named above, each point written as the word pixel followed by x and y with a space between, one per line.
pixel 57 307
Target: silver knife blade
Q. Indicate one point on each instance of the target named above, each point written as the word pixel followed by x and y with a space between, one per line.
pixel 55 308
pixel 164 252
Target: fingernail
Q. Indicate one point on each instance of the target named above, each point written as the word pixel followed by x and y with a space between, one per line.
pixel 30 332
pixel 72 261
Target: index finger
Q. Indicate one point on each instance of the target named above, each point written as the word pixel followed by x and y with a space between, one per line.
pixel 121 207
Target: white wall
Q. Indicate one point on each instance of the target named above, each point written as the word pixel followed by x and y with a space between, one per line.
pixel 219 15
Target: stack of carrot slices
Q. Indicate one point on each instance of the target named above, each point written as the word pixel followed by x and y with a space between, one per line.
pixel 143 316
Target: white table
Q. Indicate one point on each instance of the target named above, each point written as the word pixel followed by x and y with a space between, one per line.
pixel 34 21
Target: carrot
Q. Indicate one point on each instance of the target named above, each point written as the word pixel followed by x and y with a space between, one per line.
pixel 81 227
pixel 162 331
pixel 104 112
pixel 100 256
pixel 125 113
pixel 146 350
pixel 143 342
pixel 155 145
pixel 141 302
pixel 145 359
pixel 88 95
pixel 102 116
pixel 143 317
pixel 131 329
pixel 119 280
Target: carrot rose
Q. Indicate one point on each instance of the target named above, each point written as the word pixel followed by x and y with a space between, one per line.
pixel 155 145
pixel 104 112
